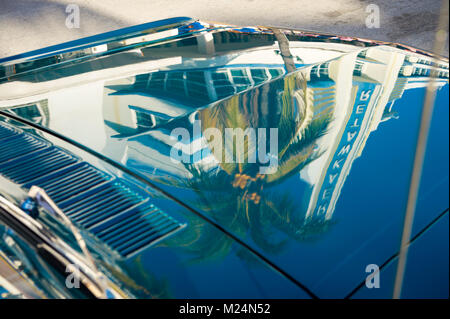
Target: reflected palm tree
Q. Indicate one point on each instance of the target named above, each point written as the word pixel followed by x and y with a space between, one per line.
pixel 237 196
pixel 142 283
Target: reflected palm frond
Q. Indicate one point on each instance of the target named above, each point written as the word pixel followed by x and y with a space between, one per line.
pixel 235 195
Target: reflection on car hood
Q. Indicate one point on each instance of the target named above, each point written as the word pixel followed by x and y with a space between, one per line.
pixel 330 126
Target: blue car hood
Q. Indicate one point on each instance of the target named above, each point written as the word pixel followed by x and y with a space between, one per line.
pixel 335 123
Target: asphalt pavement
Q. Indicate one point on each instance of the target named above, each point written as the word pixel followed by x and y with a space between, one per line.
pixel 31 24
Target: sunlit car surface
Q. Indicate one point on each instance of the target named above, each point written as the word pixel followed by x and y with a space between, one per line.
pixel 116 130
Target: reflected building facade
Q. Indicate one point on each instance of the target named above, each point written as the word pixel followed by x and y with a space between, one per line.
pixel 370 83
pixel 357 91
pixel 130 118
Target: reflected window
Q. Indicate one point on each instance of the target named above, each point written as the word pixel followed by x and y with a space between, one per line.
pixel 358 68
pixel 320 71
pixel 37 113
pixel 240 76
pixel 276 72
pixel 144 120
pixel 259 75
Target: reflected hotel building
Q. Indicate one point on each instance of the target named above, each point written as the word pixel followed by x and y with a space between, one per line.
pixel 357 90
pixel 134 108
pixel 365 98
pixel 133 113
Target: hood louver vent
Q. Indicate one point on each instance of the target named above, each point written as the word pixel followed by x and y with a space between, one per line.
pixel 109 208
pixel 7 132
pixel 18 146
pixel 28 167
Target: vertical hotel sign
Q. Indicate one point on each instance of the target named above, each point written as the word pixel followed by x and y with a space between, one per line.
pixel 347 142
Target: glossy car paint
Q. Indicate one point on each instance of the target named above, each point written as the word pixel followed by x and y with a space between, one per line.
pixel 347 113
